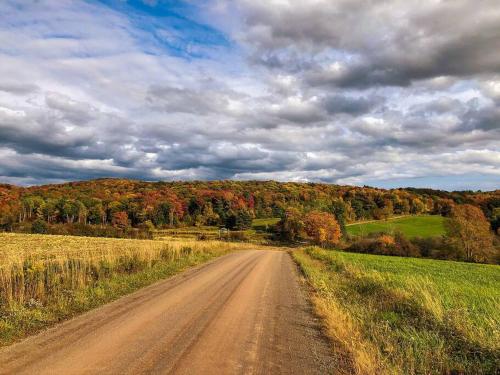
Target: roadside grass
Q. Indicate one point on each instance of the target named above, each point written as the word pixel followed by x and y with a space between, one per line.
pixel 46 279
pixel 411 226
pixel 397 315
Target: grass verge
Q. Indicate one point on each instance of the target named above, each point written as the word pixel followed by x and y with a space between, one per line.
pixel 47 279
pixel 400 315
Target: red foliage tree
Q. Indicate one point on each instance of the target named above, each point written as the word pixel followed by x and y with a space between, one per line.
pixel 120 220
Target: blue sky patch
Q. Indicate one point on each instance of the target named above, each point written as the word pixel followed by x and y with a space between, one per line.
pixel 171 26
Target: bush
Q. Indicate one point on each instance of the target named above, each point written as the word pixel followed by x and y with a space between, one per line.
pixel 430 247
pixel 384 244
pixel 405 247
pixel 39 226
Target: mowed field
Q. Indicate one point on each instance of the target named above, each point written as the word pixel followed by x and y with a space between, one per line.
pixel 411 226
pixel 45 279
pixel 406 315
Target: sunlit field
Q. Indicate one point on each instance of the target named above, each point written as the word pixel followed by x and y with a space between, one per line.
pixel 411 226
pixel 44 279
pixel 406 315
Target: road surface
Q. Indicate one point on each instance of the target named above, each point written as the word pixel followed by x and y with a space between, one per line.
pixel 244 313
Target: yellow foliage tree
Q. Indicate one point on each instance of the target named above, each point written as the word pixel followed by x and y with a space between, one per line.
pixel 470 231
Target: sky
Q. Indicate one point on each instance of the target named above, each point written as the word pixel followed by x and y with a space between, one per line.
pixel 391 93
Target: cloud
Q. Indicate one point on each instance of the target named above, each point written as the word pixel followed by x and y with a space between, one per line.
pixel 338 103
pixel 71 110
pixel 342 91
pixel 350 43
pixel 172 99
pixel 17 88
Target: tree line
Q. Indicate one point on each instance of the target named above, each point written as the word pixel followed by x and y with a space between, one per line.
pixel 122 203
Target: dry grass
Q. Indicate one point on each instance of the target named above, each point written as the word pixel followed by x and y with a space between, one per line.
pixel 44 279
pixel 349 345
pixel 39 267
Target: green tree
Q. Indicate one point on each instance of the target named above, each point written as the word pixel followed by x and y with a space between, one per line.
pixel 39 226
pixel 291 225
pixel 339 210
pixel 96 213
pixel 243 220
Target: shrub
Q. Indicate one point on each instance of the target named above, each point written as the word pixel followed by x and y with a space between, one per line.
pixel 405 247
pixel 39 226
pixel 238 236
pixel 440 247
pixel 98 231
pixel 384 244
pixel 437 248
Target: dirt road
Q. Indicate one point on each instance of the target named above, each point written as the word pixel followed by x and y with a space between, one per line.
pixel 244 313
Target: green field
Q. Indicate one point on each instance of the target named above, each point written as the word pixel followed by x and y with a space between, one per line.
pixel 411 226
pixel 262 223
pixel 407 315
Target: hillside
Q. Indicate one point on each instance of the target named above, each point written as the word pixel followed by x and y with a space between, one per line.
pixel 124 203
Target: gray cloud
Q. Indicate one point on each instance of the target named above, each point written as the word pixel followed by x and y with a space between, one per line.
pixel 386 43
pixel 172 99
pixel 18 88
pixel 71 110
pixel 354 106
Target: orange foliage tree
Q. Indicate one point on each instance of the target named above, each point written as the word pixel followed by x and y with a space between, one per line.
pixel 322 228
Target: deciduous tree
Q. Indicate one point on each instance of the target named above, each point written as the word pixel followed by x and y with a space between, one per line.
pixel 470 231
pixel 322 228
pixel 291 225
pixel 120 220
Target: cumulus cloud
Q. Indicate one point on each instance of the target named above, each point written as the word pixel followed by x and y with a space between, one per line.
pixel 345 91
